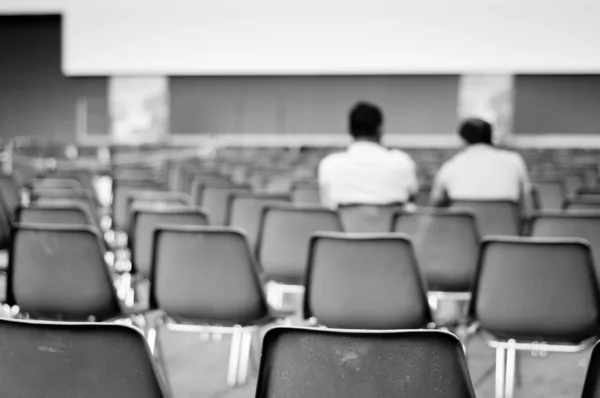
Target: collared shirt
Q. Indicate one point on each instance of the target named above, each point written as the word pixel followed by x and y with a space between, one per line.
pixel 482 172
pixel 367 173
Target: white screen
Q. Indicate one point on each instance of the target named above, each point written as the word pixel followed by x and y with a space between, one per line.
pixel 279 37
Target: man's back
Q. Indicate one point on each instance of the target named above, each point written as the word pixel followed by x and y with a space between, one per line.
pixel 367 173
pixel 482 172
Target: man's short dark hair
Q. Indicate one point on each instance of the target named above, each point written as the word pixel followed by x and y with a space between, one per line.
pixel 365 120
pixel 476 131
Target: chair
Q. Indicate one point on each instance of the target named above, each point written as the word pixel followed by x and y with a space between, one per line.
pixel 573 182
pixel 63 359
pixel 578 203
pixel 446 243
pixel 549 195
pixel 144 222
pixel 303 362
pixel 536 294
pixel 121 189
pixel 56 183
pixel 363 218
pixel 591 387
pixel 494 217
pixel 61 213
pixel 59 271
pixel 215 202
pixel 364 281
pixel 148 198
pixel 245 209
pixel 283 244
pixel 575 224
pixel 204 279
pixel 200 182
pixel 61 193
pixel 305 194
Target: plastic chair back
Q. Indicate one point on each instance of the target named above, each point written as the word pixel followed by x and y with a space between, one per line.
pixel 284 239
pixel 306 194
pixel 446 244
pixel 302 362
pixel 59 271
pixel 494 217
pixel 145 221
pixel 537 289
pixel 368 218
pixel 63 359
pixel 206 273
pixel 215 202
pixel 365 282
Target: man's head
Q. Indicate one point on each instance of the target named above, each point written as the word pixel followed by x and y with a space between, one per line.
pixel 476 131
pixel 365 122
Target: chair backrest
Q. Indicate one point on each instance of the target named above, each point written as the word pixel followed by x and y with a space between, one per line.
pixel 61 193
pixel 121 189
pixel 494 217
pixel 365 281
pixel 306 194
pixel 148 198
pixel 284 238
pixel 245 210
pixel 56 183
pixel 573 182
pixel 303 362
pixel 368 218
pixel 578 203
pixel 70 214
pixel 423 197
pixel 537 289
pixel 206 273
pixel 215 202
pixel 59 271
pixel 446 243
pixel 200 182
pixel 60 359
pixel 550 194
pixel 591 387
pixel 145 221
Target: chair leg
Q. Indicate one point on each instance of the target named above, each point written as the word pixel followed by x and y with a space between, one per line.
pixel 234 357
pixel 500 369
pixel 511 361
pixel 244 360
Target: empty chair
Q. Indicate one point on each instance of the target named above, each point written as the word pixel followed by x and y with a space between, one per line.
pixel 422 198
pixel 59 271
pixel 121 190
pixel 205 279
pixel 200 182
pixel 573 182
pixel 148 198
pixel 579 203
pixel 215 202
pixel 61 213
pixel 56 183
pixel 283 243
pixel 58 359
pixel 245 210
pixel 365 282
pixel 302 362
pixel 531 290
pixel 549 195
pixel 591 387
pixel 305 194
pixel 447 245
pixel 145 221
pixel 580 224
pixel 61 193
pixel 368 218
pixel 494 217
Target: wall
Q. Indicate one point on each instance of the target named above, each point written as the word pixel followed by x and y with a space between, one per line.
pixel 36 99
pixel 412 104
pixel 557 104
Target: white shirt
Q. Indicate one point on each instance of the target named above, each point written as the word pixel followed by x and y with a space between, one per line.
pixel 482 172
pixel 367 173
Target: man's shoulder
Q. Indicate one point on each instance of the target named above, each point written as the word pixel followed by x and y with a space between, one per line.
pixel 511 156
pixel 332 159
pixel 398 155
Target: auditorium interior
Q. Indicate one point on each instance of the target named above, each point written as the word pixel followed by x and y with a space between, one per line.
pixel 163 231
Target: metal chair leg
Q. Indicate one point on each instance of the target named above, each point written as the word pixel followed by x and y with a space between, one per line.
pixel 234 357
pixel 244 359
pixel 511 360
pixel 500 370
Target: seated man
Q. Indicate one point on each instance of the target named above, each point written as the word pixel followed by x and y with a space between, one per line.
pixel 367 172
pixel 480 171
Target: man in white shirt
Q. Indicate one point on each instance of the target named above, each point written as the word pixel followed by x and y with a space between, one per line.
pixel 367 172
pixel 480 171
